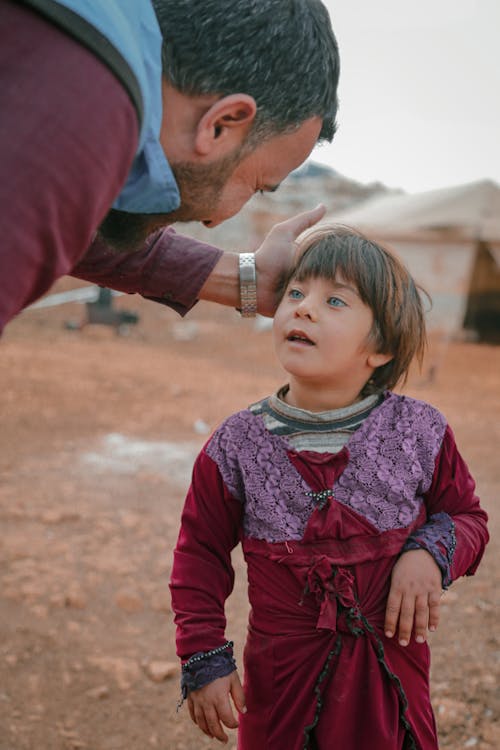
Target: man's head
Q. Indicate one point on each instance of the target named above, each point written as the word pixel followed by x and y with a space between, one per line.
pixel 281 53
pixel 249 87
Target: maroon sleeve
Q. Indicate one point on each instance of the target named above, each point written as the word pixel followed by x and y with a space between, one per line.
pixel 453 493
pixel 60 168
pixel 202 575
pixel 169 268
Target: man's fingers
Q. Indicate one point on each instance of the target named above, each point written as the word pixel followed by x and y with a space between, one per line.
pixel 298 224
pixel 308 219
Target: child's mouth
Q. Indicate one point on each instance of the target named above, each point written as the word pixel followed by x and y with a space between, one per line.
pixel 300 338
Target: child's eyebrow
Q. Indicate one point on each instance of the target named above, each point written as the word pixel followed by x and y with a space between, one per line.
pixel 347 287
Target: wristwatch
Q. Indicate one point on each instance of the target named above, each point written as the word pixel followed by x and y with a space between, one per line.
pixel 248 285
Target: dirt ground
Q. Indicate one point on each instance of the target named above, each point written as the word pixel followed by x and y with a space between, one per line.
pixel 98 433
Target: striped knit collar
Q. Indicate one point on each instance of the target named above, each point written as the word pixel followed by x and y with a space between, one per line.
pixel 332 419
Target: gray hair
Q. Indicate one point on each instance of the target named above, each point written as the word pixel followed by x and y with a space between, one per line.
pixel 283 53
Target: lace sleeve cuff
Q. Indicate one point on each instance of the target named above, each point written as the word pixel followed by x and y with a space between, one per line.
pixel 437 536
pixel 205 667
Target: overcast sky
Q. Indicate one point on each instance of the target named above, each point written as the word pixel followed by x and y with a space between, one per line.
pixel 419 92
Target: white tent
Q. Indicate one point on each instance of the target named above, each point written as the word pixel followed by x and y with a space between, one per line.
pixel 450 240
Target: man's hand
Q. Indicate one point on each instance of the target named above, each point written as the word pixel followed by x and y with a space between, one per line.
pixel 414 596
pixel 275 256
pixel 210 707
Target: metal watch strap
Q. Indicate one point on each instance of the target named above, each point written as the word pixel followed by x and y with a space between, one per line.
pixel 248 285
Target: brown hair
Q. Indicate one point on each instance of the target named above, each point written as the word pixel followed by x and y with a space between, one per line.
pixel 384 285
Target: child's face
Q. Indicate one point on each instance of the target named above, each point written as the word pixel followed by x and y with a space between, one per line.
pixel 321 334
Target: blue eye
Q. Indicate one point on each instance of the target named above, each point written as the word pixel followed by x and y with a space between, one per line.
pixel 295 294
pixel 336 302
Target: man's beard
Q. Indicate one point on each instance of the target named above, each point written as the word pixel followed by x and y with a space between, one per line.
pixel 199 186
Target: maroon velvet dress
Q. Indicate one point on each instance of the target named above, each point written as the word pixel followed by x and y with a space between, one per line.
pixel 319 672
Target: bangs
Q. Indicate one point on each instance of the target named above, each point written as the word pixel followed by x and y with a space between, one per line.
pixel 350 256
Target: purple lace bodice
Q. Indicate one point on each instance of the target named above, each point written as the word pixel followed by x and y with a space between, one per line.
pixel 390 467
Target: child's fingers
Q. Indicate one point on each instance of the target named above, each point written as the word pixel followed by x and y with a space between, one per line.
pixel 392 612
pixel 237 693
pixel 225 713
pixel 209 723
pixel 406 616
pixel 434 609
pixel 421 617
pixel 191 708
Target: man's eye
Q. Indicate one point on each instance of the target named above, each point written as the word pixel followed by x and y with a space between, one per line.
pixel 336 302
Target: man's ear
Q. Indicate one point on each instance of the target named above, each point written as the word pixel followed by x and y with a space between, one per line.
pixel 377 359
pixel 225 125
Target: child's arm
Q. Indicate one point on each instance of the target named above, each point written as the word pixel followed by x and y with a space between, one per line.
pixel 210 707
pixel 448 546
pixel 202 579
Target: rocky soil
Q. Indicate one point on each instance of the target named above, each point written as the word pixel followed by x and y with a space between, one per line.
pixel 98 433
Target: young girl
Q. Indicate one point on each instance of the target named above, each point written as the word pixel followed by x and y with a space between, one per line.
pixel 354 510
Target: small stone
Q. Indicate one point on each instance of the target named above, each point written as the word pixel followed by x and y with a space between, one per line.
pixel 75 599
pixel 158 671
pixel 31 590
pixel 66 678
pixel 52 517
pixel 471 742
pixel 130 520
pixel 124 670
pixel 201 427
pixel 40 610
pixel 129 601
pixel 98 693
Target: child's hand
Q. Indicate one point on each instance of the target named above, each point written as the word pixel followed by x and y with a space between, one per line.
pixel 415 595
pixel 210 705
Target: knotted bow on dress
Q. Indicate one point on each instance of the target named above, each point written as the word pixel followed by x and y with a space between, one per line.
pixel 332 585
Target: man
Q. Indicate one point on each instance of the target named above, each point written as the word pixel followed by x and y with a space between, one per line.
pixel 120 118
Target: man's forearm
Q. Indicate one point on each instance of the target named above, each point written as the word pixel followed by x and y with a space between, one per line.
pixel 169 268
pixel 222 285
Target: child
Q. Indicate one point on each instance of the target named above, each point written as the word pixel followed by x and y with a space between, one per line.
pixel 354 510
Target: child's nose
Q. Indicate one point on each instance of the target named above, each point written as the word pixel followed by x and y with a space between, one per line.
pixel 306 309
